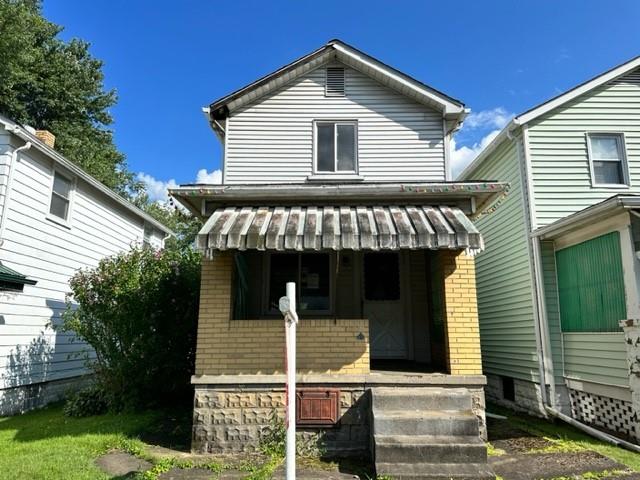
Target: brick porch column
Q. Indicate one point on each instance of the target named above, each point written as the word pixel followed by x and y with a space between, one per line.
pixel 461 313
pixel 214 315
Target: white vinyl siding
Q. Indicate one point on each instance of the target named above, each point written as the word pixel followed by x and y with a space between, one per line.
pixel 503 274
pixel 271 140
pixel 50 253
pixel 559 150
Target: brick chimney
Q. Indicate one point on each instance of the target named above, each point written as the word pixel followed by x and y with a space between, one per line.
pixel 47 137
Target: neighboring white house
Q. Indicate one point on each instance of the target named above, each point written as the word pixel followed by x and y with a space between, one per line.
pixel 55 219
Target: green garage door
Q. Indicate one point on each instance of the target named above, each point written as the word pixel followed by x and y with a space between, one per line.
pixel 591 285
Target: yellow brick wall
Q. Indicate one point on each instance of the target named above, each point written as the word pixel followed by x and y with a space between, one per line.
pixel 235 347
pixel 461 310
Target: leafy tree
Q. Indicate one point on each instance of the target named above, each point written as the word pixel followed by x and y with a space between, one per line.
pixel 183 224
pixel 55 85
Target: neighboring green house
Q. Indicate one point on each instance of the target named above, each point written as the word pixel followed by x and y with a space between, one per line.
pixel 560 268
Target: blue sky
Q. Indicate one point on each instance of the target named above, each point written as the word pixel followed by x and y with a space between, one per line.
pixel 168 59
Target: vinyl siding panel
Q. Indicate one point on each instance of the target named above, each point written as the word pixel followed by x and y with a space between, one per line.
pixel 30 350
pixel 596 357
pixel 558 147
pixel 271 140
pixel 503 275
pixel 552 306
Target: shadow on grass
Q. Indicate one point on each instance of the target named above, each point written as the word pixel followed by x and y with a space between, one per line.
pixel 166 428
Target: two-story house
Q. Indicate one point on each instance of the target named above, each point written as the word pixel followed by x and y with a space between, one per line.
pixel 560 268
pixel 54 220
pixel 335 177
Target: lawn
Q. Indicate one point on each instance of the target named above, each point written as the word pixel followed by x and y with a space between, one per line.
pixel 47 445
pixel 44 444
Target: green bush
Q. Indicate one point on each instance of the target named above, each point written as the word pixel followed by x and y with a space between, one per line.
pixel 138 310
pixel 86 402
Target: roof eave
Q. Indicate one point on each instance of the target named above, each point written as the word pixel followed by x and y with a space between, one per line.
pixel 451 108
pixel 506 133
pixel 587 216
pixel 18 130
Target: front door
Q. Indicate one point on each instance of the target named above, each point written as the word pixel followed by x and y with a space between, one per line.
pixel 382 305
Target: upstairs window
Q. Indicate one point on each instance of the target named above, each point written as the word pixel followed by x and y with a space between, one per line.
pixel 60 196
pixel 334 82
pixel 607 158
pixel 336 146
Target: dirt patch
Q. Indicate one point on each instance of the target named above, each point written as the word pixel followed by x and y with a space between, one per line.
pixel 535 466
pixel 504 436
pixel 120 464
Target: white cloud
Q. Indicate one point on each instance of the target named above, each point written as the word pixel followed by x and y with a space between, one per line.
pixel 214 177
pixel 463 156
pixel 495 118
pixel 156 189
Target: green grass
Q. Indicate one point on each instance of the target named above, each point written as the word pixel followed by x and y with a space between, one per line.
pixel 46 445
pixel 566 438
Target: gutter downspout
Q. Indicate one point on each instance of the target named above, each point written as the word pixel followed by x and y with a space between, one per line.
pixel 538 305
pixel 7 192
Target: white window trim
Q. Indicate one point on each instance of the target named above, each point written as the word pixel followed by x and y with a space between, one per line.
pixel 316 172
pixel 266 310
pixel 64 222
pixel 624 164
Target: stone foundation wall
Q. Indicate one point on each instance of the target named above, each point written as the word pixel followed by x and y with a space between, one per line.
pixel 528 397
pixel 17 400
pixel 235 419
pixel 632 340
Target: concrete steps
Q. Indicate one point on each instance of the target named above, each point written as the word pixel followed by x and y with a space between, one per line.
pixel 426 433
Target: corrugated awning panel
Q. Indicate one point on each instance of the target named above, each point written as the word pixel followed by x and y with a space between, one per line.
pixel 339 228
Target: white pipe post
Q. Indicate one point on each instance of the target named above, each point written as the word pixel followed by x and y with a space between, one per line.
pixel 291 319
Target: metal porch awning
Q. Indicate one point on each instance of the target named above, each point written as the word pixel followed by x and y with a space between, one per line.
pixel 300 228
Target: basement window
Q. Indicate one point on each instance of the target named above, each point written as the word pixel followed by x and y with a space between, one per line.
pixel 508 389
pixel 336 146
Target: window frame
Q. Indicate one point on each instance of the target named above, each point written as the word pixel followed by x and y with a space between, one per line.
pixel 335 123
pixel 65 222
pixel 624 166
pixel 266 310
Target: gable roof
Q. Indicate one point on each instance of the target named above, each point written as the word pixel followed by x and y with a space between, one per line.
pixel 548 105
pixel 336 49
pixel 27 136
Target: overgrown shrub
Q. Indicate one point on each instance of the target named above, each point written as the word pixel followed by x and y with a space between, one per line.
pixel 89 401
pixel 138 310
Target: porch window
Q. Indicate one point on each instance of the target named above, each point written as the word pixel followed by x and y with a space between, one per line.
pixel 310 271
pixel 607 158
pixel 336 145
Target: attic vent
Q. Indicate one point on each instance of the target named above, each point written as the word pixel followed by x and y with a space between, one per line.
pixel 334 85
